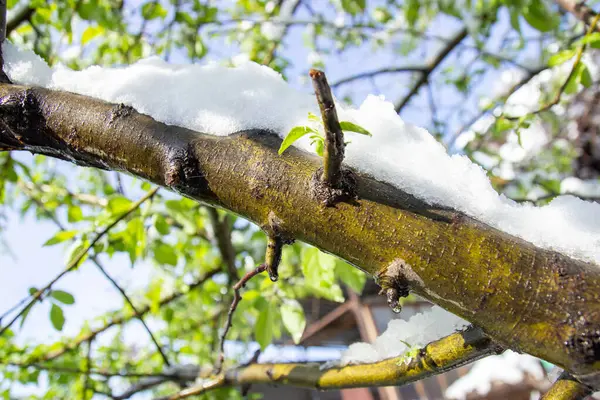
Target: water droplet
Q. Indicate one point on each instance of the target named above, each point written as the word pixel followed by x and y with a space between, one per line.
pixel 273 277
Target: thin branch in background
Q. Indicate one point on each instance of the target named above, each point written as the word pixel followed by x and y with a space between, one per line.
pixel 291 6
pixel 21 16
pixel 74 263
pixel 502 98
pixel 88 368
pixel 120 188
pixel 431 66
pixel 78 371
pixel 222 234
pixel 333 153
pixel 121 319
pixel 432 106
pixel 136 312
pixel 236 299
pixel 102 270
pixel 567 388
pixel 377 72
pixel 571 75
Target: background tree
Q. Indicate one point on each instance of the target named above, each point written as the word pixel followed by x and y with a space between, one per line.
pixel 505 82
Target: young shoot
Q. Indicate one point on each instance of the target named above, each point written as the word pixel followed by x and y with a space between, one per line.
pixel 316 135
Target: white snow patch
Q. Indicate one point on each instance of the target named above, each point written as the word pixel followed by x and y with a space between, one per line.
pixel 509 367
pixel 220 100
pixel 583 188
pixel 402 336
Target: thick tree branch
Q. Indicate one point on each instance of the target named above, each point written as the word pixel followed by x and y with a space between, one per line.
pixel 450 352
pixel 506 284
pixel 431 66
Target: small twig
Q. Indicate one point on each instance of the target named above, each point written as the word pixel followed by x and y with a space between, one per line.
pixel 236 299
pixel 560 92
pixel 567 388
pixel 24 14
pixel 333 153
pixel 74 263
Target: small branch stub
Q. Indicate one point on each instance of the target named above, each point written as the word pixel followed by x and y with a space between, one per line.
pixel 333 152
pixel 273 256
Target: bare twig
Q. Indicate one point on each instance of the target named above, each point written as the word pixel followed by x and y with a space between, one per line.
pixel 286 7
pixel 431 66
pixel 567 388
pixel 74 263
pixel 236 299
pixel 571 75
pixel 333 153
pixel 207 385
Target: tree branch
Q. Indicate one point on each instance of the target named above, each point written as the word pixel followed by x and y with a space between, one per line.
pixel 223 238
pixel 450 352
pixel 24 14
pixel 431 66
pixel 506 283
pixel 567 388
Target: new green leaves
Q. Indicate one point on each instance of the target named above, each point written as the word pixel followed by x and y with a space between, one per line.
pixel 295 134
pixel 317 138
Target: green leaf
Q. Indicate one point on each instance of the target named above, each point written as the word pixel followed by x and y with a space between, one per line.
pixel 25 313
pixel 90 33
pixel 351 276
pixel 264 324
pixel 293 135
pixel 118 205
pixel 319 273
pixel 74 214
pixel 292 315
pixel 592 39
pixel 60 237
pixel 76 251
pixel 412 11
pixel 540 17
pixel 352 127
pixel 586 77
pixel 319 147
pixel 62 296
pixel 165 254
pixel 514 20
pixel 153 10
pixel 561 57
pixel 57 317
pixel 161 225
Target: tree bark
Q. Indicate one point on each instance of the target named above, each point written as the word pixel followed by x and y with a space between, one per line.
pixel 525 298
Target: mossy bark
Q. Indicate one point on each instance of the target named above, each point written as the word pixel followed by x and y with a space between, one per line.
pixel 525 298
